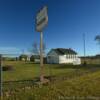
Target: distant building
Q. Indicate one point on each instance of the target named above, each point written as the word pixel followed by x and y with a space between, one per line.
pixel 62 55
pixel 24 57
pixel 97 56
pixel 36 59
pixel 91 59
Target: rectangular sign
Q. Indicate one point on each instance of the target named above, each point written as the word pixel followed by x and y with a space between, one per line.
pixel 41 19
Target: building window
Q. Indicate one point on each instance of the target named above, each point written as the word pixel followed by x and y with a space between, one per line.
pixel 49 57
pixel 72 56
pixel 67 56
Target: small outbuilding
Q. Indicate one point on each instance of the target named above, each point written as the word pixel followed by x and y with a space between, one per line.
pixel 24 57
pixel 36 59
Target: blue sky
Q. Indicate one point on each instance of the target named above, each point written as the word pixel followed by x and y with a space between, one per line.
pixel 68 20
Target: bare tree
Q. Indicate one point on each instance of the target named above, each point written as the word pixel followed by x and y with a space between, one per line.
pixel 97 38
pixel 36 49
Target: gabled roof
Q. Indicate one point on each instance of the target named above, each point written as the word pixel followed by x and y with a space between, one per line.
pixel 63 51
pixel 36 56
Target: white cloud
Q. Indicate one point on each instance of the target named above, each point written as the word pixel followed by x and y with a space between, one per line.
pixel 9 50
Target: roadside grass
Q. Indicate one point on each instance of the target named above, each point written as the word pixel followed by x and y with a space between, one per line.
pixel 28 70
pixel 86 87
pixel 69 82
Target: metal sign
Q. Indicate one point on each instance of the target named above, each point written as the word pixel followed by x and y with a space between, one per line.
pixel 41 19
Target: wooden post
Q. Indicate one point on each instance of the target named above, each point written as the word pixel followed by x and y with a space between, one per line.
pixel 41 58
pixel 0 75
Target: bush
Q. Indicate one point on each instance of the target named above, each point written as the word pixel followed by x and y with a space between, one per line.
pixel 7 68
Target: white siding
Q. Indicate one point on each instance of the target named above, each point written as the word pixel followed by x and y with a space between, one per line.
pixel 62 59
pixel 69 59
pixel 52 57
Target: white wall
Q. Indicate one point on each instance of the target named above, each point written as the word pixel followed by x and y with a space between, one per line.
pixel 62 59
pixel 52 58
pixel 69 59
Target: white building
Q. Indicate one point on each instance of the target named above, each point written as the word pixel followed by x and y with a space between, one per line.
pixel 62 55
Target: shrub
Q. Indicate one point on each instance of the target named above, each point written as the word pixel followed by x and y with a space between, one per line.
pixel 7 68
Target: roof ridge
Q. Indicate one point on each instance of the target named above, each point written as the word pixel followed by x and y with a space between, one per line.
pixel 65 51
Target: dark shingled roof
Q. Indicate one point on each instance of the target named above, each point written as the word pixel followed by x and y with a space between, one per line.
pixel 62 51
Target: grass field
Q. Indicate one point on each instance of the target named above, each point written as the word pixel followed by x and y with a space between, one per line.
pixel 69 82
pixel 27 70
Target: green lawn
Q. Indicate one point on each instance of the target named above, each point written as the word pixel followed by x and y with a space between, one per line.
pixel 70 82
pixel 27 70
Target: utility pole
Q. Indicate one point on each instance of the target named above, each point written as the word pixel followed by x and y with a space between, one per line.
pixel 0 75
pixel 84 49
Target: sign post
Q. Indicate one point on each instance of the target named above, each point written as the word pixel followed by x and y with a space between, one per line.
pixel 0 75
pixel 41 58
pixel 41 22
